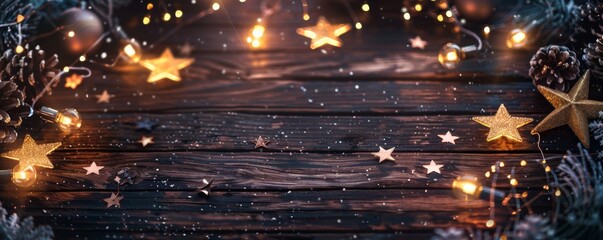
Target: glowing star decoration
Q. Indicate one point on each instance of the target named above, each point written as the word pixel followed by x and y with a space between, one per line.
pixel 73 81
pixel 93 169
pixel 146 141
pixel 32 154
pixel 113 200
pixel 448 138
pixel 433 167
pixel 260 142
pixel 384 154
pixel 417 42
pixel 166 66
pixel 105 97
pixel 324 33
pixel 573 108
pixel 503 124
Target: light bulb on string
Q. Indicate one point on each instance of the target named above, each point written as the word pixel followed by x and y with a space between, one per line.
pixel 67 119
pixel 451 54
pixel 24 176
pixel 468 188
pixel 517 38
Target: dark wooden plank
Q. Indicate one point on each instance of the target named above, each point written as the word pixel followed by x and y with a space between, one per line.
pixel 184 171
pixel 333 134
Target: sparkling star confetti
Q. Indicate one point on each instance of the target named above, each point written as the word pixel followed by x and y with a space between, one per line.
pixel 93 169
pixel 384 154
pixel 145 124
pixel 573 108
pixel 260 142
pixel 417 42
pixel 146 141
pixel 73 81
pixel 206 187
pixel 503 124
pixel 127 175
pixel 32 154
pixel 166 66
pixel 104 97
pixel 113 200
pixel 433 167
pixel 448 138
pixel 324 33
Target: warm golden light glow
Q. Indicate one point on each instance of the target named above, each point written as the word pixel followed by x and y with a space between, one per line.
pixel 178 14
pixel 487 30
pixel 166 17
pixel 523 163
pixel 517 38
pixel 366 7
pixel 406 16
pixel 20 18
pixel 149 6
pixel 24 176
pixel 82 58
pixel 71 34
pixel 131 50
pixel 440 18
pixel 490 223
pixel 450 55
pixel 466 187
pixel 215 6
pixel 513 182
pixel 418 7
pixel 68 119
pixel 358 25
pixel 306 17
pixel 19 49
pixel 146 20
pixel 256 35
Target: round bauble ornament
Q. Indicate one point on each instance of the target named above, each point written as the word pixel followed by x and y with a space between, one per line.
pixel 80 30
pixel 475 10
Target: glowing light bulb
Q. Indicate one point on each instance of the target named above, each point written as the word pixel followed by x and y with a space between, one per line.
pixel 517 38
pixel 486 30
pixel 418 7
pixel 24 176
pixel 406 16
pixel 71 34
pixel 366 7
pixel 166 17
pixel 306 17
pixel 466 187
pixel 215 6
pixel 19 49
pixel 68 119
pixel 256 34
pixel 178 13
pixel 450 55
pixel 146 20
pixel 358 25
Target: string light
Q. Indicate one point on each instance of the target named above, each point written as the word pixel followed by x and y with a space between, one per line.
pixel 67 119
pixel 19 49
pixel 71 34
pixel 467 187
pixel 366 7
pixel 517 38
pixel 24 176
pixel 166 17
pixel 178 13
pixel 215 6
pixel 256 34
pixel 146 20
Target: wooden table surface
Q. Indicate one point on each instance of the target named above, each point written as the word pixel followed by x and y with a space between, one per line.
pixel 324 112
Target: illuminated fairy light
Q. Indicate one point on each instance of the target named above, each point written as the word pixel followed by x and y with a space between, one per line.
pixel 166 17
pixel 406 16
pixel 215 6
pixel 19 49
pixel 366 7
pixel 517 38
pixel 149 6
pixel 486 30
pixel 146 20
pixel 71 34
pixel 82 58
pixel 418 7
pixel 178 13
pixel 306 16
pixel 358 25
pixel 256 34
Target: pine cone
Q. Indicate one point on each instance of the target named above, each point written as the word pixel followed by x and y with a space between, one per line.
pixel 449 234
pixel 29 70
pixel 555 67
pixel 593 57
pixel 532 227
pixel 589 25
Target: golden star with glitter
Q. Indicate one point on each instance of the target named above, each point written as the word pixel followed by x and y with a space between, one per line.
pixel 260 142
pixel 384 154
pixel 113 200
pixel 324 33
pixel 32 154
pixel 104 97
pixel 503 124
pixel 73 81
pixel 146 141
pixel 573 108
pixel 166 66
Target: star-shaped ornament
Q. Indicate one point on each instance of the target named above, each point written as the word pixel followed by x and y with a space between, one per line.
pixel 417 42
pixel 573 108
pixel 166 66
pixel 145 124
pixel 324 33
pixel 448 138
pixel 503 124
pixel 433 167
pixel 260 142
pixel 206 187
pixel 93 169
pixel 384 155
pixel 113 200
pixel 104 97
pixel 32 154
pixel 146 141
pixel 73 81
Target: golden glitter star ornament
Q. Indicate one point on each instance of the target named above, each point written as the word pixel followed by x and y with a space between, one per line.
pixel 166 66
pixel 384 154
pixel 32 154
pixel 573 108
pixel 73 81
pixel 324 33
pixel 503 124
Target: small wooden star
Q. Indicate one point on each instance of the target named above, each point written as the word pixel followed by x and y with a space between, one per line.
pixel 417 42
pixel 384 154
pixel 32 154
pixel 433 167
pixel 146 141
pixel 324 33
pixel 206 187
pixel 448 138
pixel 503 124
pixel 73 81
pixel 260 142
pixel 113 200
pixel 573 108
pixel 93 169
pixel 104 97
pixel 166 66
